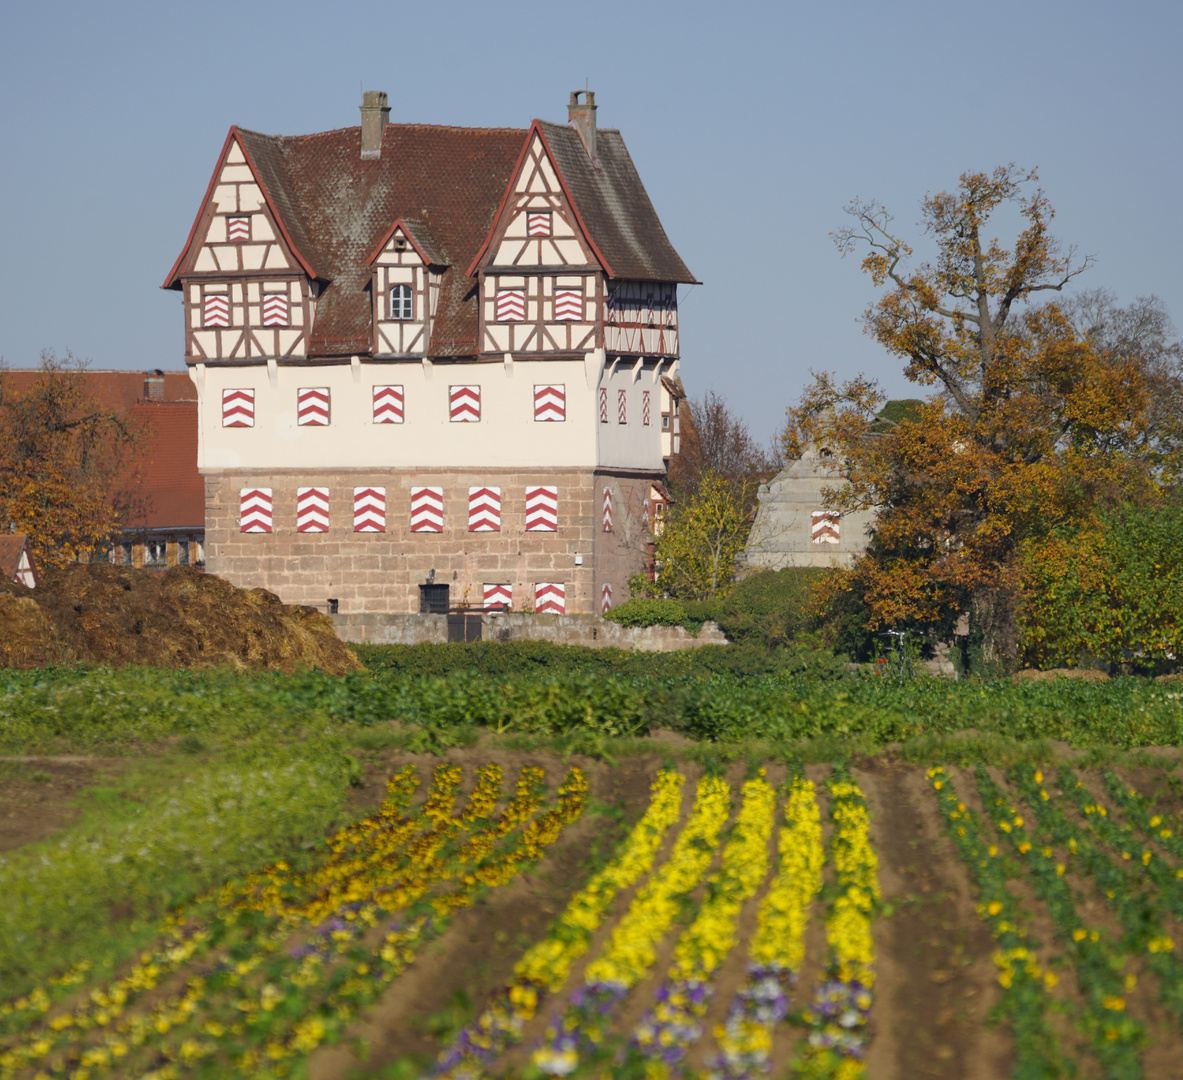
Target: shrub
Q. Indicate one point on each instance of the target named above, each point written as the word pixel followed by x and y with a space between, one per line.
pixel 642 612
pixel 1113 590
pixel 771 607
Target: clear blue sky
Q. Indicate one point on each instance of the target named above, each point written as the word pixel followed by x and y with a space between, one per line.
pixel 752 125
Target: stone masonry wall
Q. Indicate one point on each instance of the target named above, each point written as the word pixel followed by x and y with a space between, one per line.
pixel 624 550
pixel 588 630
pixel 381 572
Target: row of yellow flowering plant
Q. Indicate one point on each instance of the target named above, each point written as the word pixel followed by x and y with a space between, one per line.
pixel 632 948
pixel 546 965
pixel 839 1016
pixel 778 947
pixel 674 1023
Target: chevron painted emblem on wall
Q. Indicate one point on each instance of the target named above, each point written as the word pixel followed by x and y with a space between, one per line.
pixel 550 402
pixel 605 597
pixel 603 405
pixel 369 509
pixel 497 596
pixel 607 509
pixel 484 509
pixel 464 404
pixel 388 404
pixel 427 509
pixel 312 509
pixel 238 408
pixel 511 305
pixel 215 310
pixel 275 309
pixel 542 509
pixel 254 510
pixel 824 528
pixel 312 406
pixel 538 222
pixel 550 598
pixel 568 305
pixel 238 229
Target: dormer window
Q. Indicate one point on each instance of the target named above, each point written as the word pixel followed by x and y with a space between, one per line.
pixel 238 229
pixel 400 302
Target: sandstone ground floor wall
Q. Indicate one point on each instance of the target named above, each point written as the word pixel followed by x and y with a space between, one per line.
pixel 625 549
pixel 383 571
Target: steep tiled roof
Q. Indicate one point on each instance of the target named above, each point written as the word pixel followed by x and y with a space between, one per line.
pixel 446 183
pixel 615 206
pixel 171 493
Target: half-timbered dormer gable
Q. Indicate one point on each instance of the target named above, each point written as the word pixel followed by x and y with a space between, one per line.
pixel 577 257
pixel 244 282
pixel 408 268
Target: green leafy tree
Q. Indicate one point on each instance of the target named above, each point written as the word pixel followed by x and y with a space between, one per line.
pixel 703 534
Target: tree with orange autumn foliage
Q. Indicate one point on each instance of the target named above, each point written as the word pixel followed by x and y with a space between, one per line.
pixel 1032 423
pixel 67 468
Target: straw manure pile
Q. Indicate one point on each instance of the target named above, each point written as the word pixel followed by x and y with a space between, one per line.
pixel 102 614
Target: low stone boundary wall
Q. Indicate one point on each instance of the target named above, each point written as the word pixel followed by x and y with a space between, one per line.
pixel 589 630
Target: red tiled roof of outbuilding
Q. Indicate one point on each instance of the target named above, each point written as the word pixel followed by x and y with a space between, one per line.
pixel 171 492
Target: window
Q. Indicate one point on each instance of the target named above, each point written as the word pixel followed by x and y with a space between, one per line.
pixel 215 310
pixel 125 554
pixel 400 302
pixel 433 599
pixel 665 421
pixel 200 552
pixel 156 553
pixel 183 552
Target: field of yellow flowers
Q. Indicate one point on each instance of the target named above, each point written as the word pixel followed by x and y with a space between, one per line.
pixel 705 920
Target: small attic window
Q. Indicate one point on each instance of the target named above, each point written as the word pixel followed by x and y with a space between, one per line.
pixel 238 229
pixel 825 451
pixel 400 244
pixel 400 302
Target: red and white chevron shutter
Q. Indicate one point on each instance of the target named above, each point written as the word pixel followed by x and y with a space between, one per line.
pixel 215 310
pixel 254 510
pixel 312 406
pixel 275 309
pixel 603 405
pixel 511 305
pixel 622 406
pixel 825 527
pixel 427 509
pixel 238 229
pixel 645 514
pixel 484 509
pixel 498 596
pixel 464 404
pixel 388 404
pixel 568 305
pixel 605 597
pixel 646 407
pixel 550 402
pixel 369 509
pixel 538 222
pixel 238 408
pixel 607 509
pixel 312 509
pixel 550 598
pixel 542 509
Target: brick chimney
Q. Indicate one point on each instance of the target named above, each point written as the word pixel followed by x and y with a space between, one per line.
pixel 374 113
pixel 583 116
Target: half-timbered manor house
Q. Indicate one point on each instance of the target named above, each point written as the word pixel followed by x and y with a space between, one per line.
pixel 436 366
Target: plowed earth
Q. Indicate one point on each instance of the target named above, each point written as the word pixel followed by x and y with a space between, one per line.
pixel 937 984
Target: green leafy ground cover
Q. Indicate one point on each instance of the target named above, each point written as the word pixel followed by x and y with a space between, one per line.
pixel 507 692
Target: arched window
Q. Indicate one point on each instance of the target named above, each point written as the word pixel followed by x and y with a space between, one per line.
pixel 400 302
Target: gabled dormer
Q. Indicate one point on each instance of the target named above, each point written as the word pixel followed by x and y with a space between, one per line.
pixel 246 286
pixel 407 269
pixel 539 273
